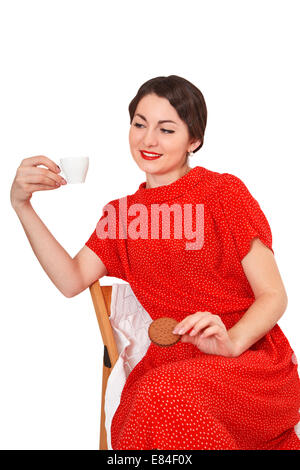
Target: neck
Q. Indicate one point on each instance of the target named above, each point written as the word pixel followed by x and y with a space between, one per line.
pixel 156 180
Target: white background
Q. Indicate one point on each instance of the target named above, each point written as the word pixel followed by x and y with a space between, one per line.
pixel 68 72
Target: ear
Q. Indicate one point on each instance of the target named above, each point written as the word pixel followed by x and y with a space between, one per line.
pixel 195 144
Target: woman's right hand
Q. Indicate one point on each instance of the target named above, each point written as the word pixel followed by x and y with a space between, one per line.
pixel 30 178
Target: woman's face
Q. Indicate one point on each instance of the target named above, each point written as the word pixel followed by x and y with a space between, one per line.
pixel 171 139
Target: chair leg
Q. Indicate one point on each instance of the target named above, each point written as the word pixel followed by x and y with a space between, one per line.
pixel 103 436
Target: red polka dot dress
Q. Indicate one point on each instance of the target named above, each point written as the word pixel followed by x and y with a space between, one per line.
pixel 178 397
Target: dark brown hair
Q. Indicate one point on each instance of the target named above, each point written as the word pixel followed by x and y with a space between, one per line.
pixel 185 97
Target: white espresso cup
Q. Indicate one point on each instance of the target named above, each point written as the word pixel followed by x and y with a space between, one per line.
pixel 74 168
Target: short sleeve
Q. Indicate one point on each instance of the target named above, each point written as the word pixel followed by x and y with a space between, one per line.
pixel 107 246
pixel 243 215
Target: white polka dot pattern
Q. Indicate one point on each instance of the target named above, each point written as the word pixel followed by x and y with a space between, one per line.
pixel 178 397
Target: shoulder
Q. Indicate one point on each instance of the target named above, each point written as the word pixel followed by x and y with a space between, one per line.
pixel 232 184
pixel 234 193
pixel 219 184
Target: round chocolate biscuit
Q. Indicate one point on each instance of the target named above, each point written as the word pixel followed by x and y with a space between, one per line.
pixel 160 331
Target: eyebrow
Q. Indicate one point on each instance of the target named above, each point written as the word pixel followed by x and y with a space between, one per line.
pixel 159 122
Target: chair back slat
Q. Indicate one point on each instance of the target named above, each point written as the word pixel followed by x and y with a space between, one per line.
pixel 107 290
pixel 101 297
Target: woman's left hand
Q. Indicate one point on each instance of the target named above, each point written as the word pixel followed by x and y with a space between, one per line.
pixel 209 334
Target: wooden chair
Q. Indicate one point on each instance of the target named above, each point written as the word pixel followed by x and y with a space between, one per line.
pixel 101 296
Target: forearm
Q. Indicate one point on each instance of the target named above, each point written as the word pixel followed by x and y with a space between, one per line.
pixel 260 318
pixel 56 262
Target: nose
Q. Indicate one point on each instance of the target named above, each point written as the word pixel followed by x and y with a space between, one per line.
pixel 150 139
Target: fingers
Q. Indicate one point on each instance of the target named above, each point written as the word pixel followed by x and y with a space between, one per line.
pixel 43 176
pixel 198 321
pixel 187 323
pixel 39 175
pixel 200 325
pixel 213 330
pixel 41 187
pixel 30 177
pixel 212 320
pixel 40 160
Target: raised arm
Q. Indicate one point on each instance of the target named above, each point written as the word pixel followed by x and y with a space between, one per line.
pixel 70 275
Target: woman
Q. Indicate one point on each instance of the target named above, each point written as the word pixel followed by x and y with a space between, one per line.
pixel 231 382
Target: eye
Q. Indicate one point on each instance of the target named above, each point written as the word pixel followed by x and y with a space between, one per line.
pixel 167 131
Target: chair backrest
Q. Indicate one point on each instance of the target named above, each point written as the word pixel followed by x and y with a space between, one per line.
pixel 101 297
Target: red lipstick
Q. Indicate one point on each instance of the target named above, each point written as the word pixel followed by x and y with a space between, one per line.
pixel 152 156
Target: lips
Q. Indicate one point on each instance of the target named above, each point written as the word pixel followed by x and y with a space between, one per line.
pixel 147 157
